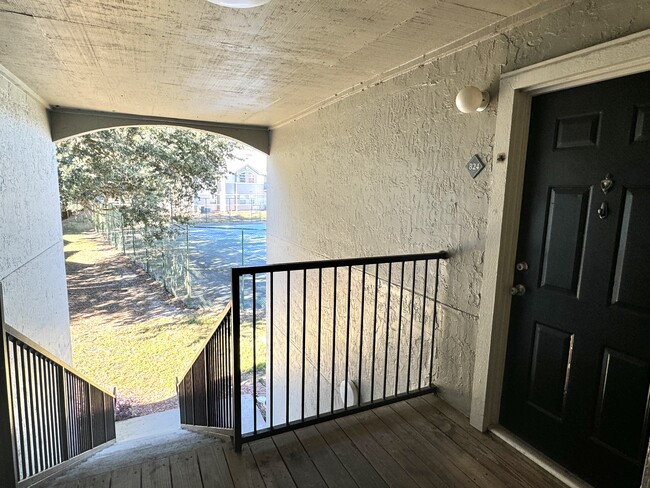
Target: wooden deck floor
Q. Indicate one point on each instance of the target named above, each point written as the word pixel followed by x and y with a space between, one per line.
pixel 420 442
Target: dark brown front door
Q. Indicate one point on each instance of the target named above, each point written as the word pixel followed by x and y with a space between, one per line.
pixel 577 383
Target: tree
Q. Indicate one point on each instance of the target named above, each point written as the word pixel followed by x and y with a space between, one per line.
pixel 152 174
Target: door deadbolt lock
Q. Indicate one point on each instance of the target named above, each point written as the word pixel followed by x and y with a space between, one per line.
pixel 518 290
pixel 522 266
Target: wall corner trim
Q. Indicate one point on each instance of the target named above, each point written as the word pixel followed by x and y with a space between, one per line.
pixel 12 78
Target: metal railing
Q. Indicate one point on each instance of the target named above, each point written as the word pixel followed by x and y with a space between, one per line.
pixel 205 392
pixel 317 340
pixel 49 413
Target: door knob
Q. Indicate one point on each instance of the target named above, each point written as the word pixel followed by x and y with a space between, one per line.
pixel 603 210
pixel 518 290
pixel 522 266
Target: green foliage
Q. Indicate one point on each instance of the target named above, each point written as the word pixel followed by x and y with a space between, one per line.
pixel 151 173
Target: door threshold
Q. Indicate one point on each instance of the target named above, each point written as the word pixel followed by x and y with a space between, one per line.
pixel 542 460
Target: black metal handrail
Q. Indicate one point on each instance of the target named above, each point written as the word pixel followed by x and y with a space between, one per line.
pixel 205 391
pixel 359 324
pixel 302 328
pixel 49 413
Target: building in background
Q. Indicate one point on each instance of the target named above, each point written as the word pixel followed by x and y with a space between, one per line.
pixel 243 189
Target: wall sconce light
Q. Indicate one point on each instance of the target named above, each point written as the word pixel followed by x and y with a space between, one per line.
pixel 471 99
pixel 239 3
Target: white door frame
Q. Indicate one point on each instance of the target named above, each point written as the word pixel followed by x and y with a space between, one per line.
pixel 624 56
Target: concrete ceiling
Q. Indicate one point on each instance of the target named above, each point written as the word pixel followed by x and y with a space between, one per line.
pixel 191 59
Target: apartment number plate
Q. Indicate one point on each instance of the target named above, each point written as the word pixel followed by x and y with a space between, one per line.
pixel 475 166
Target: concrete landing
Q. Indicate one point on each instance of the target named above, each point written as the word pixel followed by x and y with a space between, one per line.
pixel 139 440
pixel 146 438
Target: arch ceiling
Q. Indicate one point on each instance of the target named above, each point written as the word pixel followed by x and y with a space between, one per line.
pixel 190 59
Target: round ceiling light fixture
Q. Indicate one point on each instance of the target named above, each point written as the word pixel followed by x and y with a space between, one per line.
pixel 239 3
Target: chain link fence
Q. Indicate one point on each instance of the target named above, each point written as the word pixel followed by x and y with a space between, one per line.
pixel 195 264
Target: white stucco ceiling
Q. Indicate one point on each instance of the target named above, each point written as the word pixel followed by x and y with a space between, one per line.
pixel 194 60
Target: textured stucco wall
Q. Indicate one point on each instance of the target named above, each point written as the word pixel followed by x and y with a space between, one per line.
pixel 382 171
pixel 32 268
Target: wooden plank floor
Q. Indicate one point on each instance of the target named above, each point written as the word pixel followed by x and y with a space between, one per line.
pixel 420 442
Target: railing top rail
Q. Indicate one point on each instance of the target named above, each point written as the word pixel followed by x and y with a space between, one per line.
pixel 44 352
pixel 222 315
pixel 336 263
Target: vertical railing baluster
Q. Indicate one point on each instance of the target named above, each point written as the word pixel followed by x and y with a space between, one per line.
pixel 38 413
pixel 90 437
pixel 53 414
pixel 390 270
pixel 236 365
pixel 347 340
pixel 20 406
pixel 333 343
pixel 8 471
pixel 46 414
pixel 224 361
pixel 424 308
pixel 399 328
pixel 211 382
pixel 219 365
pixel 56 404
pixel 435 315
pixel 225 421
pixel 374 336
pixel 287 378
pixel 219 368
pixel 320 316
pixel 361 321
pixel 229 365
pixel 219 349
pixel 408 373
pixel 254 356
pixel 40 393
pixel 217 374
pixel 33 414
pixel 206 398
pixel 304 340
pixel 63 413
pixel 31 431
pixel 71 411
pixel 47 444
pixel 269 386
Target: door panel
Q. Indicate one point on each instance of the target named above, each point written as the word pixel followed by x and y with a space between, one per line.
pixel 551 364
pixel 632 260
pixel 578 131
pixel 577 378
pixel 623 404
pixel 641 130
pixel 567 215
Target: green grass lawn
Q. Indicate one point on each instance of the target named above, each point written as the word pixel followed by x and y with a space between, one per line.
pixel 141 356
pixel 143 359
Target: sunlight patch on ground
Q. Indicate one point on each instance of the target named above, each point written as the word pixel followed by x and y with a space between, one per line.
pixel 144 358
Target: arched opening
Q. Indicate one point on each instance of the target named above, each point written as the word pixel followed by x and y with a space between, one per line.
pixel 126 331
pixel 66 123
